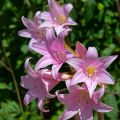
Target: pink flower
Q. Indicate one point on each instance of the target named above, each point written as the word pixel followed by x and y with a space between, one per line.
pixel 33 30
pixel 38 83
pixel 58 17
pixel 79 101
pixel 90 68
pixel 53 53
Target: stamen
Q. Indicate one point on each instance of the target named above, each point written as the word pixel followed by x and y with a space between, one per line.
pixel 91 70
pixel 61 19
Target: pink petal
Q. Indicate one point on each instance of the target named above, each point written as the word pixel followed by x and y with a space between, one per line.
pixel 108 60
pixel 37 18
pixel 55 70
pixel 71 22
pixel 40 105
pixel 59 29
pixel 100 107
pixel 91 85
pixel 27 81
pixel 99 93
pixel 49 81
pixel 30 45
pixel 40 48
pixel 24 33
pixel 50 35
pixel 68 114
pixel 28 23
pixel 105 77
pixel 46 16
pixel 28 68
pixel 47 24
pixel 29 97
pixel 86 113
pixel 67 8
pixel 81 50
pixel 75 63
pixel 92 53
pixel 78 78
pixel 43 62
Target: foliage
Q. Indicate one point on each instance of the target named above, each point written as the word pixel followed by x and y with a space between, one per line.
pixel 98 25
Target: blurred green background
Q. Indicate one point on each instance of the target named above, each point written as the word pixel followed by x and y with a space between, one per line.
pixel 98 25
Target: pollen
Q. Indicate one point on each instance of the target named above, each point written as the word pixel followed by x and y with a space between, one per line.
pixel 61 19
pixel 91 71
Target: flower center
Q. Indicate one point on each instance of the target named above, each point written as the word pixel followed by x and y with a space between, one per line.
pixel 61 19
pixel 91 71
pixel 41 32
pixel 59 56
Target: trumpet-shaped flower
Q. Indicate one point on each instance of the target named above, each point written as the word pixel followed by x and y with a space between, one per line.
pixel 58 17
pixel 38 83
pixel 53 53
pixel 91 69
pixel 33 30
pixel 79 102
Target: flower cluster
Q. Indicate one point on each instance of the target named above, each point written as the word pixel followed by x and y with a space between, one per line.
pixel 47 33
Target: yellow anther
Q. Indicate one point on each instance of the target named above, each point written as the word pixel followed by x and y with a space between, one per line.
pixel 61 19
pixel 91 71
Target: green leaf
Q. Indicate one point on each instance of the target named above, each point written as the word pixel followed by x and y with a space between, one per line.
pixel 112 101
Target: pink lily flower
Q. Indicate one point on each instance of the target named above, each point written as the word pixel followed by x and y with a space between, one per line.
pixel 53 53
pixel 58 17
pixel 90 68
pixel 33 30
pixel 38 83
pixel 79 102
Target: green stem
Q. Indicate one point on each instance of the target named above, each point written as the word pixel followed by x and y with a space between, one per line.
pixel 14 81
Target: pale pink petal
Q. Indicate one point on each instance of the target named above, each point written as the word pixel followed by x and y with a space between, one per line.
pixel 50 35
pixel 78 78
pixel 71 22
pixel 67 82
pixel 24 33
pixel 55 70
pixel 75 63
pixel 28 68
pixel 91 85
pixel 99 93
pixel 46 16
pixel 40 105
pixel 100 107
pixel 37 18
pixel 105 77
pixel 47 24
pixel 29 97
pixel 40 48
pixel 92 53
pixel 67 8
pixel 108 60
pixel 28 23
pixel 68 114
pixel 30 45
pixel 59 29
pixel 81 50
pixel 43 62
pixel 50 95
